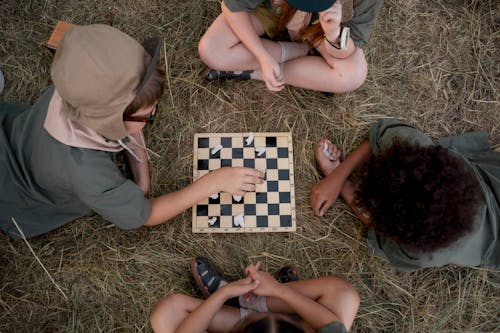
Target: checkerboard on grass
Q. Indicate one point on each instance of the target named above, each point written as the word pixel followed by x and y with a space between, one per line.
pixel 271 208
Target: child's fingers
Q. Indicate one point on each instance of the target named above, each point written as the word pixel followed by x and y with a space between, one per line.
pixel 324 207
pixel 316 205
pixel 257 265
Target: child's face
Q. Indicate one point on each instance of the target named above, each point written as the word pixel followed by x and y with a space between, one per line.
pixel 140 119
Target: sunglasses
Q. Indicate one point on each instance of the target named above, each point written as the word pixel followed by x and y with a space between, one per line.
pixel 150 118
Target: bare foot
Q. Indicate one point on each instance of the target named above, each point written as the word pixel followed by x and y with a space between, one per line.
pixel 328 160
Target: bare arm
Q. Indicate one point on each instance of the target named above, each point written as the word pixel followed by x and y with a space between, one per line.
pixel 200 319
pixel 233 180
pixel 330 23
pixel 140 171
pixel 292 301
pixel 326 192
pixel 242 27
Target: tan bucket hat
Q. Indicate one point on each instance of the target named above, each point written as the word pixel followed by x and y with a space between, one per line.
pixel 98 70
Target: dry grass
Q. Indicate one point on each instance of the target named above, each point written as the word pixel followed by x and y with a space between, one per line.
pixel 434 64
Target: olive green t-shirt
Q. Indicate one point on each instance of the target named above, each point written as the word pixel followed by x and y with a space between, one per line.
pixel 479 248
pixel 46 184
pixel 334 327
pixel 364 15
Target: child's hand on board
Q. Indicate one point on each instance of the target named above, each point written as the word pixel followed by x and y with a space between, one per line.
pixel 236 180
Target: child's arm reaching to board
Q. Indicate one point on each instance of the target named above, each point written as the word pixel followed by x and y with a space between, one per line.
pixel 236 180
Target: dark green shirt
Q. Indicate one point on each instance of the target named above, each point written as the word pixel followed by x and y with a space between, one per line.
pixel 479 248
pixel 335 327
pixel 364 15
pixel 46 184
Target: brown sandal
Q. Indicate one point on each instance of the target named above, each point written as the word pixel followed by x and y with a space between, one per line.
pixel 288 274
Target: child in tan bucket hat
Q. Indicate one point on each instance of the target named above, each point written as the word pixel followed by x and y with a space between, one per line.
pixel 57 156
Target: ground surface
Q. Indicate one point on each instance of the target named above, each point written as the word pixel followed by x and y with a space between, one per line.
pixel 434 64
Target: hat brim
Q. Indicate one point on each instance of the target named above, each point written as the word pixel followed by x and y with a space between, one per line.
pixel 153 48
pixel 311 6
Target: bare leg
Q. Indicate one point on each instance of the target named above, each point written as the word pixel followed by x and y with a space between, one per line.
pixel 221 49
pixel 313 72
pixel 347 192
pixel 333 293
pixel 170 311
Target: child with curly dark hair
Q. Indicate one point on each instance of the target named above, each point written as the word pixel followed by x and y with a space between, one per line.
pixel 427 204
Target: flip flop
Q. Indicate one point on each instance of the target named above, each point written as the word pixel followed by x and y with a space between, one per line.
pixel 207 277
pixel 213 75
pixel 288 274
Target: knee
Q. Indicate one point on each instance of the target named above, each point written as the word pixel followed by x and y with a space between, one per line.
pixel 208 51
pixel 350 75
pixel 360 73
pixel 345 294
pixel 165 308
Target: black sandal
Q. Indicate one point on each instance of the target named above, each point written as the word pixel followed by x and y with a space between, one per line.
pixel 214 75
pixel 287 274
pixel 207 277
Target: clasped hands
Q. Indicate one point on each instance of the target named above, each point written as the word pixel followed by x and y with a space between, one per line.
pixel 255 283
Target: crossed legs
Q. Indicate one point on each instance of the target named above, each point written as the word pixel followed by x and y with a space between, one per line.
pixel 221 49
pixel 331 292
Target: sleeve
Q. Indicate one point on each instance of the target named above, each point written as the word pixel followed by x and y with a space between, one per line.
pixel 335 327
pixel 102 187
pixel 383 133
pixel 361 24
pixel 392 252
pixel 472 142
pixel 242 5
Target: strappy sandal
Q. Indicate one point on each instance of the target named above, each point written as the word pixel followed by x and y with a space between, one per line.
pixel 288 274
pixel 207 277
pixel 213 75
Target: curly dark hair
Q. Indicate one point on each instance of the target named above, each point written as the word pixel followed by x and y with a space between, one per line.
pixel 424 198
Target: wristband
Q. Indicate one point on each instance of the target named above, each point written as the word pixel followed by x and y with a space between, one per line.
pixel 343 39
